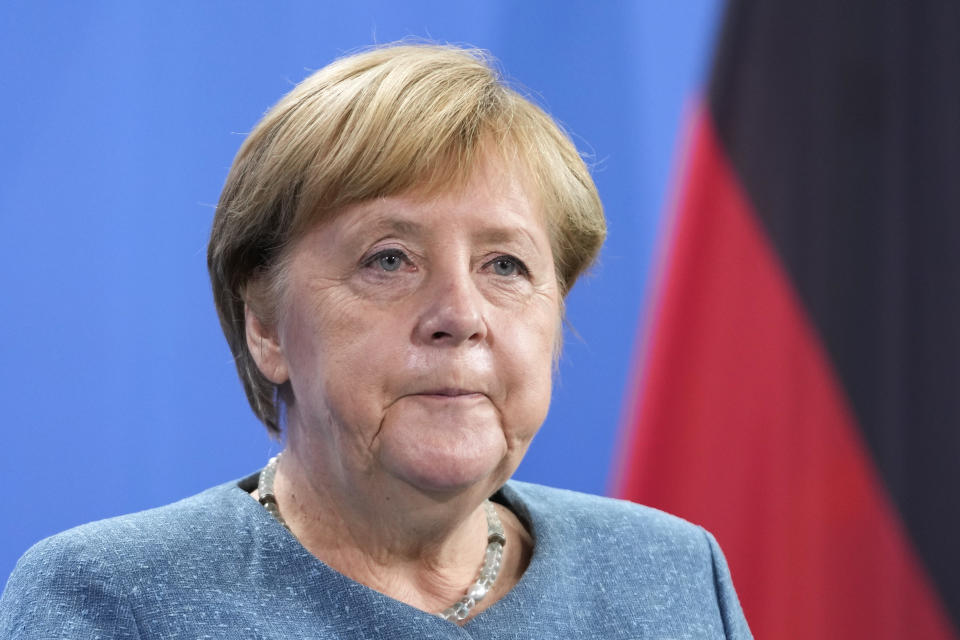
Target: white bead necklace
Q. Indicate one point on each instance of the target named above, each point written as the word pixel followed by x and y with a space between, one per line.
pixel 489 571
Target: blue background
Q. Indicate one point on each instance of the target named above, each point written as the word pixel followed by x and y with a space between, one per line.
pixel 118 123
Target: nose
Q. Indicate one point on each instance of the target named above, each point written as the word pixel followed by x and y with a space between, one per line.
pixel 452 312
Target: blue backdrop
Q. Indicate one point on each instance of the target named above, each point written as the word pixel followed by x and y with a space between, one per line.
pixel 118 123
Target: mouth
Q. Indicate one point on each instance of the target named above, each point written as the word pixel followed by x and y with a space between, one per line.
pixel 449 393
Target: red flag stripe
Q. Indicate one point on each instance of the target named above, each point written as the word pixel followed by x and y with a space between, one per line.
pixel 741 425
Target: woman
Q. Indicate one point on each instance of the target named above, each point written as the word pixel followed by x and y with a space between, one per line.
pixel 389 259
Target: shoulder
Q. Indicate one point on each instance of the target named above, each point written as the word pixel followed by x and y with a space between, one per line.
pixel 81 583
pixel 614 538
pixel 574 511
pixel 143 536
pixel 671 570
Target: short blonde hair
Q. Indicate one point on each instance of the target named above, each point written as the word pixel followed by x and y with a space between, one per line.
pixel 374 124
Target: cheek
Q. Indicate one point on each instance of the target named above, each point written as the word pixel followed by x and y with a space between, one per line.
pixel 527 360
pixel 337 355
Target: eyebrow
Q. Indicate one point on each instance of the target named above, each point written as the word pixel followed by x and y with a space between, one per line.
pixel 491 235
pixel 397 225
pixel 405 226
pixel 504 235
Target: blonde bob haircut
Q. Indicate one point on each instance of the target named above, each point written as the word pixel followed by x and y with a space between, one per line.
pixel 374 124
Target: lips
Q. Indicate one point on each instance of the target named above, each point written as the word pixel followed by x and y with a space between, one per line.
pixel 450 393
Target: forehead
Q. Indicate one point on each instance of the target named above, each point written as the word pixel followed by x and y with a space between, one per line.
pixel 494 202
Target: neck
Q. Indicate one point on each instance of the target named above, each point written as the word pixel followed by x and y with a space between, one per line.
pixel 419 549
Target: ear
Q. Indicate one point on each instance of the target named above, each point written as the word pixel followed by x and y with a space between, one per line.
pixel 265 348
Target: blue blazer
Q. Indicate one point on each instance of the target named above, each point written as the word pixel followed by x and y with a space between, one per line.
pixel 217 565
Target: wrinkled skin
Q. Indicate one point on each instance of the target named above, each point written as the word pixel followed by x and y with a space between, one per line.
pixel 417 334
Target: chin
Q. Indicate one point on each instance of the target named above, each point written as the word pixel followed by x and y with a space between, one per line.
pixel 443 447
pixel 446 470
pixel 448 481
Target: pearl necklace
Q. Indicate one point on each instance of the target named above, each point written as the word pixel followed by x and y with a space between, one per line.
pixel 489 571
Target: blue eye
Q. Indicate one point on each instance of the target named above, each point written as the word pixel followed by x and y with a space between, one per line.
pixel 388 260
pixel 507 266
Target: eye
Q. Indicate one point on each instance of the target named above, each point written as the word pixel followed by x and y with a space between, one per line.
pixel 507 266
pixel 388 260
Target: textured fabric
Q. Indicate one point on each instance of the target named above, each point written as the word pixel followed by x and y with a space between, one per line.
pixel 217 565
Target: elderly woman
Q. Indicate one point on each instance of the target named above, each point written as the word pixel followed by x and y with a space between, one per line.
pixel 389 259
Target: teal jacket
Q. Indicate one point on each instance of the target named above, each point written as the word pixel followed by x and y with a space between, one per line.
pixel 217 565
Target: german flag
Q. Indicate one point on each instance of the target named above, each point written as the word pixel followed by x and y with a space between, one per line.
pixel 799 392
